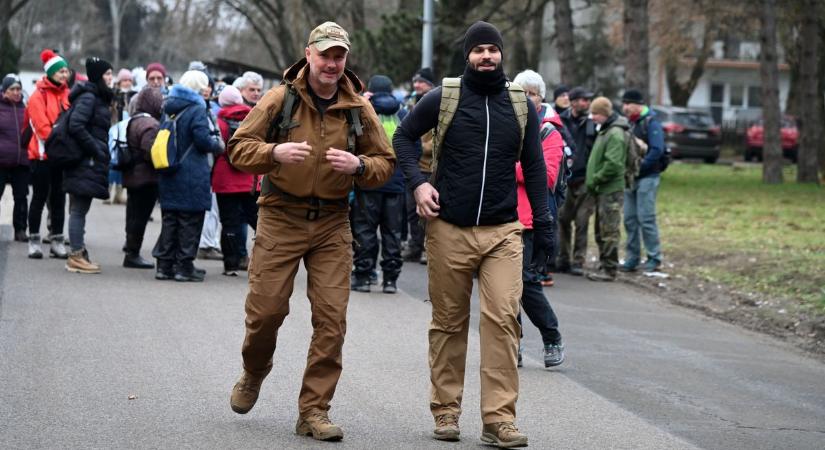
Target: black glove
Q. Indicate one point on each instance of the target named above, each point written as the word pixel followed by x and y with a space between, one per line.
pixel 543 245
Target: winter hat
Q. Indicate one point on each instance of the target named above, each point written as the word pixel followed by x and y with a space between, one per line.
pixel 9 81
pixel 125 74
pixel 156 67
pixel 579 92
pixel 195 80
pixel 380 83
pixel 633 96
pixel 601 105
pixel 230 95
pixel 52 62
pixel 95 68
pixel 426 75
pixel 481 33
pixel 560 90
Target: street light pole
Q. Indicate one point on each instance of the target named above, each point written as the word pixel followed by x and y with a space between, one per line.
pixel 427 35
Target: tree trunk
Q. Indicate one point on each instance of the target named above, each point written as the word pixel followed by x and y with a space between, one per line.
pixel 565 41
pixel 680 92
pixel 114 13
pixel 637 65
pixel 809 120
pixel 9 53
pixel 769 72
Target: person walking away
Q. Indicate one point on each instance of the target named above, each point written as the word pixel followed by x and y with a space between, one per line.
pixel 533 301
pixel 141 179
pixel 606 183
pixel 49 99
pixel 14 160
pixel 640 199
pixel 303 215
pixel 89 126
pixel 185 194
pixel 423 82
pixel 579 205
pixel 382 207
pixel 474 229
pixel 236 191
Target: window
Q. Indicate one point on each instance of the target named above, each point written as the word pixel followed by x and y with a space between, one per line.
pixel 754 97
pixel 737 94
pixel 717 93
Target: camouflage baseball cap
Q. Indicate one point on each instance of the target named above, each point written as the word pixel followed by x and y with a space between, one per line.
pixel 328 35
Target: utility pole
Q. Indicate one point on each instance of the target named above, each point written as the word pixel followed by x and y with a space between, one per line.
pixel 427 35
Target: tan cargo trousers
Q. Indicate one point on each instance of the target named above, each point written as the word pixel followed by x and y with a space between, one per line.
pixel 284 237
pixel 454 254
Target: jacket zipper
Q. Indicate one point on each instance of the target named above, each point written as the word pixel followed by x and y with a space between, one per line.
pixel 318 157
pixel 484 167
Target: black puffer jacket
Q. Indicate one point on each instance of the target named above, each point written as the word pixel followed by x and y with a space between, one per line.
pixel 476 175
pixel 89 126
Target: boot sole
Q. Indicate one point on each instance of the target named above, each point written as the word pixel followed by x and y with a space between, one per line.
pixel 305 430
pixel 238 409
pixel 36 256
pixel 449 437
pixel 76 270
pixel 489 439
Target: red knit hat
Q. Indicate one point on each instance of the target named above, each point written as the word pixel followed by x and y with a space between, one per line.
pixel 52 62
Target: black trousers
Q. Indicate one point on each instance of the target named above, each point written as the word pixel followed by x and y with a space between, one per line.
pixel 533 301
pixel 415 241
pixel 19 179
pixel 177 245
pixel 379 210
pixel 47 184
pixel 236 211
pixel 139 205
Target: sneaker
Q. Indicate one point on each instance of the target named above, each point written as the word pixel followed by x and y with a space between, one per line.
pixel 629 266
pixel 46 239
pixel 389 287
pixel 210 253
pixel 193 276
pixel 316 423
pixel 651 265
pixel 423 259
pixel 78 262
pixel 576 271
pixel 553 354
pixel 601 275
pixel 360 284
pixel 35 251
pixel 245 392
pixel 57 249
pixel 446 428
pixel 548 280
pixel 20 236
pixel 230 273
pixel 164 275
pixel 374 277
pixel 503 435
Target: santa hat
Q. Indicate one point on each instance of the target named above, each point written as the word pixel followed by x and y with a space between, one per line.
pixel 52 62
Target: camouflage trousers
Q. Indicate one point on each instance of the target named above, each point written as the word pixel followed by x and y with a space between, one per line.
pixel 608 221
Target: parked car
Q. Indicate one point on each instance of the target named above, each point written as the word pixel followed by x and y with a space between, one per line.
pixel 754 140
pixel 690 133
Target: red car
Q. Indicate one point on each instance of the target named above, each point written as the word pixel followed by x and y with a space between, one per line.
pixel 789 136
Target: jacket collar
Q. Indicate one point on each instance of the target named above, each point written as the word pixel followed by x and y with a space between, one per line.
pixel 349 86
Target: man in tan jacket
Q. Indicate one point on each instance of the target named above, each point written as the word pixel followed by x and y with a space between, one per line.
pixel 310 138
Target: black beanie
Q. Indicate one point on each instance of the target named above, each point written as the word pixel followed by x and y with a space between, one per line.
pixel 633 96
pixel 425 74
pixel 380 83
pixel 560 89
pixel 481 33
pixel 95 68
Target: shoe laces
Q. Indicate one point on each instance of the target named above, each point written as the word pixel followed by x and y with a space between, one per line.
pixel 247 384
pixel 321 417
pixel 446 420
pixel 507 428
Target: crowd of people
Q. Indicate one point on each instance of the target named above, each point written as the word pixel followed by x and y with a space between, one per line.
pixel 478 177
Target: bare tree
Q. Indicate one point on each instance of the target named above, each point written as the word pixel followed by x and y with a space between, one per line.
pixel 809 119
pixel 565 40
pixel 769 72
pixel 637 65
pixel 9 54
pixel 117 8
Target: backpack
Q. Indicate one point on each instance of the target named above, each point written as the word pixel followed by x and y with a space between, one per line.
pixel 233 126
pixel 390 122
pixel 636 150
pixel 62 150
pixel 667 155
pixel 559 190
pixel 120 155
pixel 165 148
pixel 450 94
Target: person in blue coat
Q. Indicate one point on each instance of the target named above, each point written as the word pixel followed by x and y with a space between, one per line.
pixel 185 194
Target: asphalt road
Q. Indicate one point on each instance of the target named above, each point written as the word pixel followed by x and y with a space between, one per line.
pixel 640 372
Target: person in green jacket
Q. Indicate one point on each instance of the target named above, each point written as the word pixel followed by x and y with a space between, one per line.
pixel 605 181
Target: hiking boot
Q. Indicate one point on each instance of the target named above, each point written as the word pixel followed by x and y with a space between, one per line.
pixel 245 392
pixel 446 428
pixel 210 253
pixel 423 259
pixel 651 265
pixel 601 275
pixel 503 435
pixel 317 424
pixel 576 271
pixel 135 261
pixel 20 236
pixel 629 266
pixel 389 287
pixel 193 276
pixel 57 249
pixel 360 283
pixel 35 251
pixel 164 275
pixel 78 262
pixel 553 354
pixel 410 254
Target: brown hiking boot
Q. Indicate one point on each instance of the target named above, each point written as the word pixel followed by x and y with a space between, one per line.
pixel 503 435
pixel 316 423
pixel 78 262
pixel 446 428
pixel 245 392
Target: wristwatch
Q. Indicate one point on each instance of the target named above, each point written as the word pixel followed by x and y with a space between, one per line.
pixel 361 168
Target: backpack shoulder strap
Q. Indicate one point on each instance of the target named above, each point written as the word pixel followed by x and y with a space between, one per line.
pixel 355 128
pixel 519 100
pixel 547 128
pixel 450 94
pixel 283 120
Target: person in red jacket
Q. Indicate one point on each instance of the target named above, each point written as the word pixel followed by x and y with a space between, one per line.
pixel 49 99
pixel 236 191
pixel 533 301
